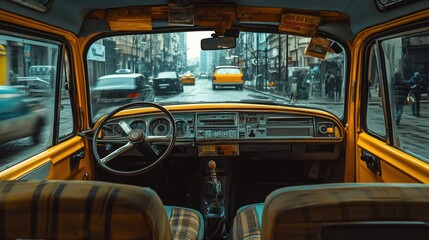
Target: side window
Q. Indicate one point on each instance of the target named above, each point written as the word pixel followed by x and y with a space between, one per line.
pixel 406 63
pixel 28 76
pixel 375 120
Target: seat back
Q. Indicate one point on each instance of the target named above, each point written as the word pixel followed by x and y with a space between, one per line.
pixel 80 210
pixel 374 230
pixel 317 211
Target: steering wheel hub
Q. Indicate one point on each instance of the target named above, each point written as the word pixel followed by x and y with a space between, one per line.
pixel 136 135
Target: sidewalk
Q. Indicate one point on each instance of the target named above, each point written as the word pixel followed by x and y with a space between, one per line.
pixel 321 99
pixel 314 99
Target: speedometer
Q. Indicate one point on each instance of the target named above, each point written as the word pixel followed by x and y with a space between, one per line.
pixel 159 127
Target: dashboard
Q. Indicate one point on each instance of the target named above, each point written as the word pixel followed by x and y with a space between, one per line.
pixel 230 126
pixel 249 133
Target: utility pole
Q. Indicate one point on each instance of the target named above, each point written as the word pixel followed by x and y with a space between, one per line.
pixel 151 62
pixel 246 59
pixel 296 52
pixel 266 62
pixel 257 62
pixel 287 58
pixel 279 77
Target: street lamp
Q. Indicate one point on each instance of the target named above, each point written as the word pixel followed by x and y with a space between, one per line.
pixel 118 55
pixel 144 46
pixel 233 57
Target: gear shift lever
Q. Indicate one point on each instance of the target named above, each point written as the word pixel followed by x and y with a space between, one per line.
pixel 216 186
pixel 215 216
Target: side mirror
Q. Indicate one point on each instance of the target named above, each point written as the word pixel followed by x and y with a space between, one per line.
pixel 217 43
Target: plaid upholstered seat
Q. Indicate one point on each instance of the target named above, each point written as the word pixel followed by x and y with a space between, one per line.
pixel 300 212
pixel 248 222
pixel 186 224
pixel 90 210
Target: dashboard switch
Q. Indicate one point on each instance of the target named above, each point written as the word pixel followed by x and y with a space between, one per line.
pixel 252 133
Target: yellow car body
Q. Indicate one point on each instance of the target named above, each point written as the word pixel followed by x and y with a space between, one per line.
pixel 188 79
pixel 226 76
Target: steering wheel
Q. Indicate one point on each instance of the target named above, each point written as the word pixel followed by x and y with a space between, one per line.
pixel 136 138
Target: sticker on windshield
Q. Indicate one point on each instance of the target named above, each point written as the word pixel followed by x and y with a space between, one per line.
pixel 180 16
pixel 318 47
pixel 301 24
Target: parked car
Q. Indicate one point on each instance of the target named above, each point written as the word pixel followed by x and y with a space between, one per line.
pixel 168 81
pixel 44 72
pixel 188 79
pixel 227 76
pixel 203 75
pixel 35 86
pixel 118 89
pixel 39 79
pixel 18 119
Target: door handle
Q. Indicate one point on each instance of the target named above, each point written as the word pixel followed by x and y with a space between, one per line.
pixel 372 162
pixel 75 159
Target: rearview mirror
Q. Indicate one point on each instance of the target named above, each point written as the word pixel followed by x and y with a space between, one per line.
pixel 217 43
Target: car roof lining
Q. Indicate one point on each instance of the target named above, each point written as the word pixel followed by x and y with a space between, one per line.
pixel 71 15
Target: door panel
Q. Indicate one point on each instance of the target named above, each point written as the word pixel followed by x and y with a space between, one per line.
pixel 54 163
pixel 395 165
pixel 38 117
pixel 393 136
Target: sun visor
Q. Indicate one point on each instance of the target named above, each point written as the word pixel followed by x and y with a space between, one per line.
pixel 122 19
pixel 180 15
pixel 130 18
pixel 221 18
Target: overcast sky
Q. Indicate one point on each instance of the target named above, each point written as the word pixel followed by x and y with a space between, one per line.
pixel 193 43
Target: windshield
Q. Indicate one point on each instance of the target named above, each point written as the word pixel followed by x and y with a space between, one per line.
pixel 267 68
pixel 228 71
pixel 167 75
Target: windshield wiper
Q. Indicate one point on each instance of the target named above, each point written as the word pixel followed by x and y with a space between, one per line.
pixel 267 101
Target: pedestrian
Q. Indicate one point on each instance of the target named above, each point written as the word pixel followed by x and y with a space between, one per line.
pixel 13 80
pixel 400 90
pixel 331 86
pixel 326 83
pixel 338 84
pixel 416 85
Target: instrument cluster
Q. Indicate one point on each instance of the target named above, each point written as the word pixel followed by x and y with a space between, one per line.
pixel 153 125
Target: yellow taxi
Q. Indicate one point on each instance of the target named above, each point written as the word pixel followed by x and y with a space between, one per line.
pixel 188 79
pixel 319 144
pixel 227 76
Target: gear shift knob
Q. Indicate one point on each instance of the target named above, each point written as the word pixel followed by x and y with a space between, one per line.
pixel 213 176
pixel 212 165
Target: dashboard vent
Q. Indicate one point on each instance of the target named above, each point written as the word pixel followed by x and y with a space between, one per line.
pixel 217 120
pixel 220 122
pixel 287 121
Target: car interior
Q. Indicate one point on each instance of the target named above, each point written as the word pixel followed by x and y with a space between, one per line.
pixel 306 148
